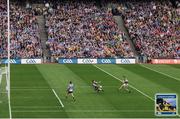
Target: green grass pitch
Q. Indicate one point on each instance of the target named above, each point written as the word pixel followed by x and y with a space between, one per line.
pixel 32 95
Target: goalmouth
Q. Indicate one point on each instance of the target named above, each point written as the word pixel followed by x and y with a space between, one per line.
pixel 5 86
pixel 4 73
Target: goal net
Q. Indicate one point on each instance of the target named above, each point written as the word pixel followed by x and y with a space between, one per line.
pixel 4 85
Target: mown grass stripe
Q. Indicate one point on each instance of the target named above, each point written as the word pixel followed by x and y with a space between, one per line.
pixel 122 81
pixel 30 77
pixel 168 84
pixel 177 66
pixel 160 72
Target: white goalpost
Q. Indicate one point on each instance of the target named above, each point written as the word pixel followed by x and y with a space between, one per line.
pixel 0 73
pixel 6 77
pixel 8 66
pixel 0 79
pixel 5 70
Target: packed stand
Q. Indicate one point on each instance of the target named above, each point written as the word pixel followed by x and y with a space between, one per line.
pixel 78 30
pixel 154 28
pixel 25 41
pixel 3 28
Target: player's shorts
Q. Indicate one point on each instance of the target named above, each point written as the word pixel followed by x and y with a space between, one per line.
pixel 125 85
pixel 69 91
pixel 95 87
pixel 100 88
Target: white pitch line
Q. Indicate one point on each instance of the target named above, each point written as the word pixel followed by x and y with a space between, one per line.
pixel 122 81
pixel 34 107
pixel 77 111
pixel 160 72
pixel 21 89
pixel 29 89
pixel 58 98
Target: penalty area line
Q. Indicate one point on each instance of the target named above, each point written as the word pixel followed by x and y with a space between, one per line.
pixel 58 98
pixel 122 81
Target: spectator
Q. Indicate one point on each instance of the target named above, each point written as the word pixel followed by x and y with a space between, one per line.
pixel 84 30
pixel 25 41
pixel 3 29
pixel 154 27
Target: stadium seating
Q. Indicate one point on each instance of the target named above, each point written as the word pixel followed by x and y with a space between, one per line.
pixel 25 41
pixel 3 27
pixel 79 29
pixel 84 30
pixel 154 28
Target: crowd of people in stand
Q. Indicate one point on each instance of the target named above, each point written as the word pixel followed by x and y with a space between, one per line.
pixel 25 38
pixel 3 28
pixel 154 28
pixel 83 29
pixel 25 41
pixel 78 29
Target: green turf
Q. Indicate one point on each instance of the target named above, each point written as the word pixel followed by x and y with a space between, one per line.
pixel 32 96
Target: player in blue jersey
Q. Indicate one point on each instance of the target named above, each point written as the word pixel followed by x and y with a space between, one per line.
pixel 70 90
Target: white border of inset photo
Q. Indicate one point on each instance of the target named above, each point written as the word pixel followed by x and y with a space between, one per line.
pixel 166 114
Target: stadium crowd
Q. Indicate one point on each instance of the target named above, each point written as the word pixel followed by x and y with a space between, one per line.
pixel 82 29
pixel 25 41
pixel 154 27
pixel 3 28
pixel 77 29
